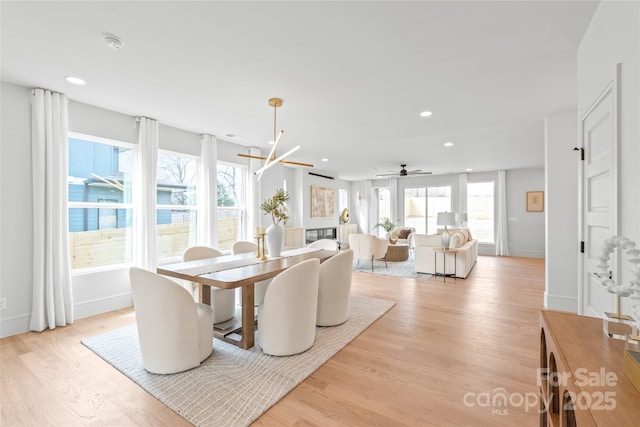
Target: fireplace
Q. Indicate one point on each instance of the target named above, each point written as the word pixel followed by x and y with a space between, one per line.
pixel 313 234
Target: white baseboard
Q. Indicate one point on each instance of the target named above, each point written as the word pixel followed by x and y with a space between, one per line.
pixel 102 305
pixel 526 253
pixel 14 325
pixel 556 302
pixel 20 324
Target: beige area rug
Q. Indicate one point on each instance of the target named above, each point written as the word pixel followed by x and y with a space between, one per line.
pixel 233 387
pixel 395 269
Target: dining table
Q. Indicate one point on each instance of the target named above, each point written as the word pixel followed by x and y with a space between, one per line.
pixel 239 271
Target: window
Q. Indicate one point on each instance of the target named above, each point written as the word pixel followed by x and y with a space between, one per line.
pixel 480 211
pixel 415 211
pixel 343 200
pixel 438 200
pixel 231 181
pixel 100 210
pixel 176 203
pixel 421 207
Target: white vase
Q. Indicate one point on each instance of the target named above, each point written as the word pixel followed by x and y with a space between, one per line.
pixel 274 238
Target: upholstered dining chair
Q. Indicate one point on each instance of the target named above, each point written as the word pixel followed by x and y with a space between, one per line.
pixel 368 247
pixel 334 289
pixel 223 301
pixel 329 244
pixel 259 288
pixel 287 316
pixel 175 332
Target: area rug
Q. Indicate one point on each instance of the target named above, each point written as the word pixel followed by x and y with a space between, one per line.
pixel 395 269
pixel 233 387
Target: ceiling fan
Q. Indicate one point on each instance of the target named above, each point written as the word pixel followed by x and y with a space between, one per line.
pixel 404 172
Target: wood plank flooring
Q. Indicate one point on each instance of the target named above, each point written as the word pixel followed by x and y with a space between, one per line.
pixel 438 357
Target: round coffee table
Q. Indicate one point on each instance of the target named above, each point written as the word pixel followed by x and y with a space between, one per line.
pixel 398 252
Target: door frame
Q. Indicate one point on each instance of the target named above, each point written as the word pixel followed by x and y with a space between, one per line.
pixel 613 88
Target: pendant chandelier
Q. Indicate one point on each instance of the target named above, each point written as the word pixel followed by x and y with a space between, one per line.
pixel 273 158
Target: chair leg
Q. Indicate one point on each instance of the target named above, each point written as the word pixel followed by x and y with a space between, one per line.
pixel 372 263
pixel 385 262
pixel 358 262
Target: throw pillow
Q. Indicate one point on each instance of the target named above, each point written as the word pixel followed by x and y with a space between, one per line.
pixel 456 240
pixel 404 233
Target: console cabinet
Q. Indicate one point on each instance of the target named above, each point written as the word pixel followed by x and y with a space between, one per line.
pixel 293 237
pixel 580 378
pixel 344 230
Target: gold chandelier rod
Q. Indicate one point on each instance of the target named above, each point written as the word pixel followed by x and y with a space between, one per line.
pixel 275 103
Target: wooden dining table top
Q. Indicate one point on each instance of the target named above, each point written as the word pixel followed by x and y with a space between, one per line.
pixel 240 269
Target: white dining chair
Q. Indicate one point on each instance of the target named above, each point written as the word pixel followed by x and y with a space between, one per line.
pixel 259 288
pixel 287 316
pixel 334 289
pixel 175 332
pixel 222 300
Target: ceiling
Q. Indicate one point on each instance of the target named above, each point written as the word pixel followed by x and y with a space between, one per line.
pixel 354 76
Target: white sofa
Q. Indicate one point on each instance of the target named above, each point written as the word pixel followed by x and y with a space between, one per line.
pixel 458 264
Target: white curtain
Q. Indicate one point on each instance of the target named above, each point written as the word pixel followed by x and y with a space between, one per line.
pixel 502 241
pixel 462 193
pixel 393 200
pixel 366 204
pixel 52 290
pixel 208 191
pixel 254 194
pixel 144 195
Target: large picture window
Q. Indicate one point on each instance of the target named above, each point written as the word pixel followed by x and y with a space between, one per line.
pixel 421 207
pixel 100 210
pixel 176 203
pixel 231 185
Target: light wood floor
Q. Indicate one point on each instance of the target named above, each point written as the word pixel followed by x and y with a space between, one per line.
pixel 440 343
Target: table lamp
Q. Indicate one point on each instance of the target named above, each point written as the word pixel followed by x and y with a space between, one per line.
pixel 446 218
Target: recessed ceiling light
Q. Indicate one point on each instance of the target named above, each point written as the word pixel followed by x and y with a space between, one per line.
pixel 426 114
pixel 113 42
pixel 325 160
pixel 448 144
pixel 469 169
pixel 75 80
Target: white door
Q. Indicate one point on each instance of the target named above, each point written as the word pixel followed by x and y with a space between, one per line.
pixel 599 130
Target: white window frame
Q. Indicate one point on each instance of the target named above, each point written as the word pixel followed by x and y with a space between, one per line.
pixel 95 205
pixel 194 208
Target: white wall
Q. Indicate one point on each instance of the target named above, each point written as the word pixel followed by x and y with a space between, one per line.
pixel 16 222
pixel 524 229
pixel 561 212
pixel 614 37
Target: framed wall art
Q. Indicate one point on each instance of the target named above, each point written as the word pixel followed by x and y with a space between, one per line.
pixel 535 201
pixel 323 202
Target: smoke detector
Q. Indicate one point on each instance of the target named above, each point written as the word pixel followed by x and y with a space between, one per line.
pixel 113 42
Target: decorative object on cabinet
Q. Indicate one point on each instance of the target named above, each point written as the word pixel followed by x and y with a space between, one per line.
pixel 613 322
pixel 344 216
pixel 535 201
pixel 323 202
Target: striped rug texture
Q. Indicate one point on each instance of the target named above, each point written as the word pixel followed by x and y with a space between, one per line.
pixel 395 269
pixel 233 386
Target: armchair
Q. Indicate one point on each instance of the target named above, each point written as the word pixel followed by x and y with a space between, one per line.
pixel 368 247
pixel 287 316
pixel 175 332
pixel 222 300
